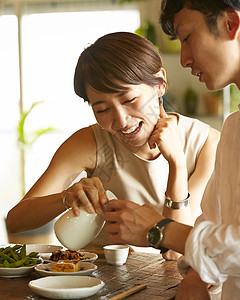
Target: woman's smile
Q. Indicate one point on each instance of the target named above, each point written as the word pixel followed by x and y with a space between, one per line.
pixel 131 132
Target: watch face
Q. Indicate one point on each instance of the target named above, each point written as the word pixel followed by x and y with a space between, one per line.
pixel 153 236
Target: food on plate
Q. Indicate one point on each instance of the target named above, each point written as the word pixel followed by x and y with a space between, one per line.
pixel 15 257
pixel 67 255
pixel 66 266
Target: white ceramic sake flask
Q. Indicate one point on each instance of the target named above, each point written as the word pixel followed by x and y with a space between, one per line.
pixel 75 232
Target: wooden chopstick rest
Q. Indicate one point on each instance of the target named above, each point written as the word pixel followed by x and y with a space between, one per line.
pixel 129 292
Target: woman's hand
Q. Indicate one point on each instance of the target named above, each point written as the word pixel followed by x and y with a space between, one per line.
pixel 128 222
pixel 88 192
pixel 171 255
pixel 166 137
pixel 192 287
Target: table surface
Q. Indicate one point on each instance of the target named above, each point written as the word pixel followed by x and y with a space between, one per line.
pixel 161 277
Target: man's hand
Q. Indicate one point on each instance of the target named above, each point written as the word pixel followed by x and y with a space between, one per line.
pixel 192 288
pixel 129 223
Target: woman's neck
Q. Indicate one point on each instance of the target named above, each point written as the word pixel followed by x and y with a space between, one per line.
pixel 145 152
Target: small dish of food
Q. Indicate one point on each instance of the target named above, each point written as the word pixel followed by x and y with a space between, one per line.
pixel 66 287
pixel 73 255
pixel 16 261
pixel 64 267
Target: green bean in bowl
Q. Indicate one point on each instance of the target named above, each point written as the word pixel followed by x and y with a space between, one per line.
pixel 15 261
pixel 15 257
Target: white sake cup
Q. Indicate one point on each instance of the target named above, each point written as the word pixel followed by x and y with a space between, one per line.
pixel 75 232
pixel 116 254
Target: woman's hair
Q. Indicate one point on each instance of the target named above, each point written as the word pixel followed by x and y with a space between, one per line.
pixel 211 9
pixel 116 59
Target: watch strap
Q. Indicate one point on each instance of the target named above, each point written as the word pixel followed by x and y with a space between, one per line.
pixel 160 226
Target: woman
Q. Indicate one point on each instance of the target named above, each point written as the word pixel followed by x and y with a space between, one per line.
pixel 136 150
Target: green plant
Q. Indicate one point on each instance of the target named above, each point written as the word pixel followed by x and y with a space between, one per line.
pixel 147 30
pixel 191 101
pixel 235 98
pixel 29 139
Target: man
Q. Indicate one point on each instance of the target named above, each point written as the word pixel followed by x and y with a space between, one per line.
pixel 209 32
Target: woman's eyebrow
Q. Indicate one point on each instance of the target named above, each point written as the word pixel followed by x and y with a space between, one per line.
pixel 98 102
pixel 121 94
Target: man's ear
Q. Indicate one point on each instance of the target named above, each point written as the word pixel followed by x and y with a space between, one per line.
pixel 233 23
pixel 162 87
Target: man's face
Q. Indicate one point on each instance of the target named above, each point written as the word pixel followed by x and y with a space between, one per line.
pixel 210 54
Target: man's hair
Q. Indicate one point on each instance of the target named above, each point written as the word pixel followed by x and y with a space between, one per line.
pixel 211 9
pixel 116 59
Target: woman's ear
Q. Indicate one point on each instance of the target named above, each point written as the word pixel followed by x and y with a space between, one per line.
pixel 233 23
pixel 162 87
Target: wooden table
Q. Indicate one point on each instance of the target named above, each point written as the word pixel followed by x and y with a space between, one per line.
pixel 161 277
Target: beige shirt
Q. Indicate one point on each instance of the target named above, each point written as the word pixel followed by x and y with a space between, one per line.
pixel 213 246
pixel 130 177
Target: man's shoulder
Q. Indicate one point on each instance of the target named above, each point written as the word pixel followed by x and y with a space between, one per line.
pixel 232 119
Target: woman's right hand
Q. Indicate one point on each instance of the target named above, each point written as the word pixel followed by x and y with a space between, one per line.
pixel 88 192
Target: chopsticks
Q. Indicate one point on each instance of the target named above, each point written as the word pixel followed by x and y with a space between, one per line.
pixel 129 292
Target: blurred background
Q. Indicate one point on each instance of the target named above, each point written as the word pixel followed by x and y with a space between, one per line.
pixel 40 42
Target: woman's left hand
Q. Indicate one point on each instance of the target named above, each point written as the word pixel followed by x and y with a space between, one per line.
pixel 171 255
pixel 166 137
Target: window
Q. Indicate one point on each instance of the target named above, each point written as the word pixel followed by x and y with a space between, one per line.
pixel 52 38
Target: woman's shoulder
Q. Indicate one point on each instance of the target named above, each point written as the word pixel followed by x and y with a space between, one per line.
pixel 192 131
pixel 193 125
pixel 81 136
pixel 79 148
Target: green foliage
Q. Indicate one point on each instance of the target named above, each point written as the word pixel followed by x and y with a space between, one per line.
pixel 25 139
pixel 147 30
pixel 235 98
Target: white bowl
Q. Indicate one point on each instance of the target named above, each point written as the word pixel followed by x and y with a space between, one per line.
pixel 75 232
pixel 66 287
pixel 20 271
pixel 42 248
pixel 16 272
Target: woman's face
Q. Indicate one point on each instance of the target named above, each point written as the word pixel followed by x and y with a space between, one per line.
pixel 130 115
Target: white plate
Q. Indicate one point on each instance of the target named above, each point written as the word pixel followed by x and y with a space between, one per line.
pixel 66 287
pixel 46 270
pixel 88 257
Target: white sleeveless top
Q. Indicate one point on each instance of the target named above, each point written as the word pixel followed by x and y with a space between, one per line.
pixel 131 177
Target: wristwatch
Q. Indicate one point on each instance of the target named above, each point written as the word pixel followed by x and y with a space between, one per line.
pixel 155 234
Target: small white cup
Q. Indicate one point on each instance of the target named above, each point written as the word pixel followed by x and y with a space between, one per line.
pixel 116 254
